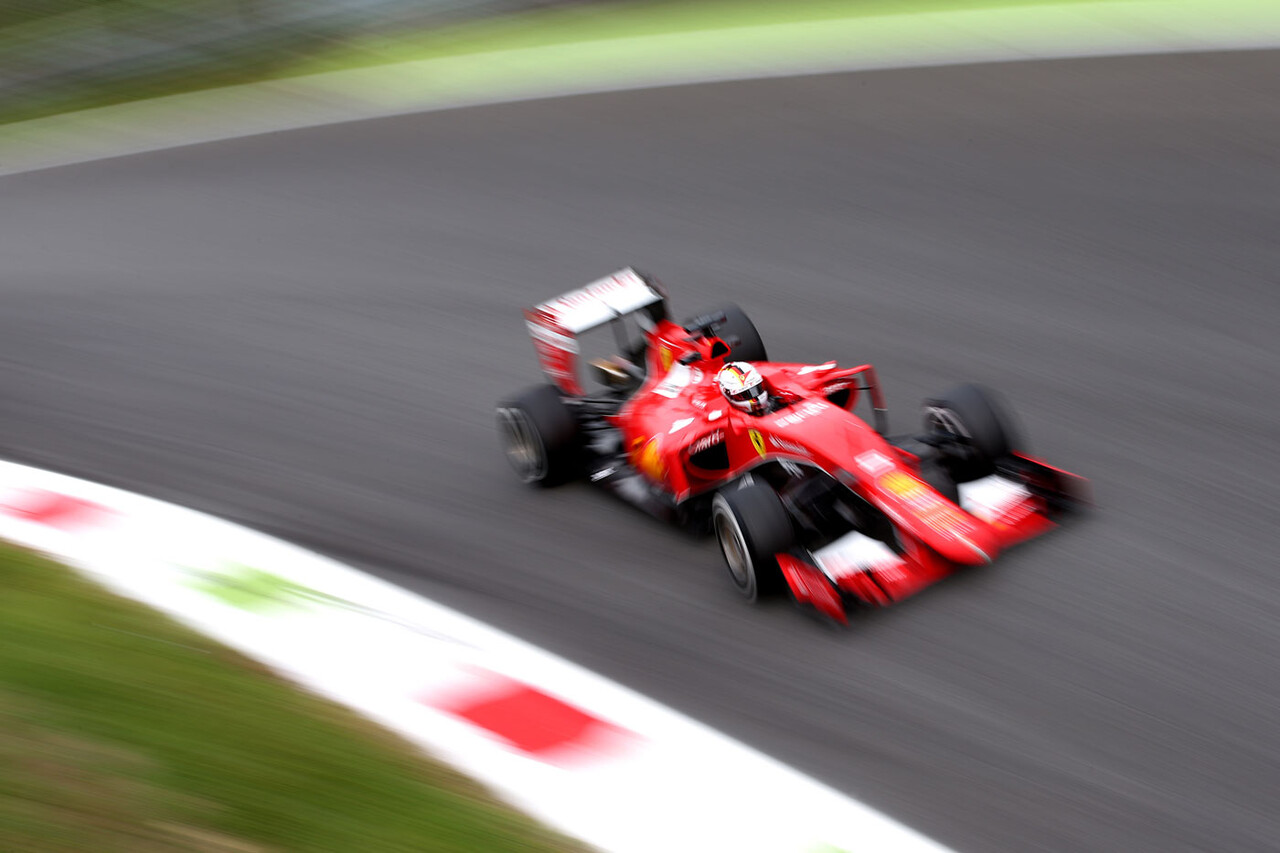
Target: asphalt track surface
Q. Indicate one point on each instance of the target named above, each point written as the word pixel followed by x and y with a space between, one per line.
pixel 306 332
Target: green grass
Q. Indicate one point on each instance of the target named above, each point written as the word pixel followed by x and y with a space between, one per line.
pixel 122 731
pixel 597 40
pixel 571 24
pixel 276 54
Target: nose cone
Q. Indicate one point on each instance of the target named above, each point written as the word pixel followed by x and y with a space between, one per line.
pixel 936 521
pixel 973 544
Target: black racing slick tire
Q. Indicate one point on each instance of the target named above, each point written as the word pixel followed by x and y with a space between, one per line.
pixel 539 435
pixel 940 479
pixel 752 525
pixel 739 333
pixel 973 427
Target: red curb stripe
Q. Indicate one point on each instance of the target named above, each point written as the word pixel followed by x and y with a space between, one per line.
pixel 52 509
pixel 536 723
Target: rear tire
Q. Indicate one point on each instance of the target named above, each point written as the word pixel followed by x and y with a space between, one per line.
pixel 737 326
pixel 539 436
pixel 752 526
pixel 973 428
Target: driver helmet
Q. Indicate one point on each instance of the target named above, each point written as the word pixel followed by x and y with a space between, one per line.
pixel 743 386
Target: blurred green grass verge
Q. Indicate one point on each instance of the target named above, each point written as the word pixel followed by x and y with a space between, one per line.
pixel 86 31
pixel 123 731
pixel 585 23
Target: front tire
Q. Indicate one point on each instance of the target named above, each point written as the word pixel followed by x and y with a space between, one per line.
pixel 752 526
pixel 973 428
pixel 539 436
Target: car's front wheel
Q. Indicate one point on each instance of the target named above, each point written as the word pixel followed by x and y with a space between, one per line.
pixel 973 428
pixel 539 436
pixel 752 526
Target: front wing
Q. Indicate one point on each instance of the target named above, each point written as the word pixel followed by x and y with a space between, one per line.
pixel 1023 500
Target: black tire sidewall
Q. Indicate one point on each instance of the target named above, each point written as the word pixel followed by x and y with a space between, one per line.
pixel 553 425
pixel 737 325
pixel 985 423
pixel 766 529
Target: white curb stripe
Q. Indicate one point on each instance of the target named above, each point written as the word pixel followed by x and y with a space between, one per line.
pixel 583 754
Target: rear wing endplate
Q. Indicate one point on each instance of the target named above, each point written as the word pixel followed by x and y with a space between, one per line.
pixel 555 324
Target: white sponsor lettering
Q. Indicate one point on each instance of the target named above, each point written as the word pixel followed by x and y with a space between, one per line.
pixel 590 293
pixel 814 368
pixel 679 425
pixel 783 444
pixel 708 441
pixel 600 301
pixel 799 413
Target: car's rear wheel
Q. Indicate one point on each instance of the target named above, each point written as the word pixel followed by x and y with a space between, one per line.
pixel 539 435
pixel 740 334
pixel 973 428
pixel 752 525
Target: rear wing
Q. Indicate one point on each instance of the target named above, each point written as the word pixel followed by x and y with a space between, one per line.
pixel 555 324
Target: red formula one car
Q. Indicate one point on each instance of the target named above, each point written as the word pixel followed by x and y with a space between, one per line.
pixel 691 422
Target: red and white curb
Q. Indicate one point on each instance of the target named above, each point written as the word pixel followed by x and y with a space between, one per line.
pixel 585 755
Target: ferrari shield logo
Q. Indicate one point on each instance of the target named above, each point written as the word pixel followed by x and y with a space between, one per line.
pixel 667 357
pixel 757 441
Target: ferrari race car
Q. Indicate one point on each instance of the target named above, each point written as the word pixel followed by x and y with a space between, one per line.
pixel 691 422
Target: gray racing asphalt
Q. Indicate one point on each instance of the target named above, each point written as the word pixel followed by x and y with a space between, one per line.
pixel 306 332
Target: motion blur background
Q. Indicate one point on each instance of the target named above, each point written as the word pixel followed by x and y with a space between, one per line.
pixel 306 332
pixel 57 55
